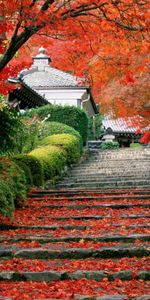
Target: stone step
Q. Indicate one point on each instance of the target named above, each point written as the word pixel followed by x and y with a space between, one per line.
pixel 5 227
pixel 107 168
pixel 107 173
pixel 59 276
pixel 88 178
pixel 116 160
pixel 107 184
pixel 109 297
pixel 84 206
pixel 70 192
pixel 97 198
pixel 89 297
pixel 98 217
pixel 118 251
pixel 108 238
pixel 119 155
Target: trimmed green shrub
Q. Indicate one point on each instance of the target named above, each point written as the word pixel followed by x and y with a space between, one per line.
pixel 12 174
pixel 109 145
pixel 52 158
pixel 69 142
pixel 69 115
pixel 9 126
pixel 6 198
pixel 35 166
pixel 135 145
pixel 27 172
pixel 50 128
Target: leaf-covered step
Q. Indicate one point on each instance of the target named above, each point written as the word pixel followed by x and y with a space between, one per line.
pixel 78 192
pixel 98 217
pixel 108 238
pixel 104 227
pixel 109 297
pixel 134 264
pixel 76 290
pixel 117 251
pixel 91 275
pixel 91 199
pixel 83 206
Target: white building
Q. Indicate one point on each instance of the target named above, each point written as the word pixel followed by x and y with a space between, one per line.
pixel 46 84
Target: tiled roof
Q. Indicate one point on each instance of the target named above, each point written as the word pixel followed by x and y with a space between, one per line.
pixel 42 75
pixel 119 125
pixel 51 77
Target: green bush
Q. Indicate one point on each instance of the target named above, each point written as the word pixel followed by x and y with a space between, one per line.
pixel 70 143
pixel 35 166
pixel 50 128
pixel 135 145
pixel 52 158
pixel 27 172
pixel 14 177
pixel 109 145
pixel 69 115
pixel 6 198
pixel 9 126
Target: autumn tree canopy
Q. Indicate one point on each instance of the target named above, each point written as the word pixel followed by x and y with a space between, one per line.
pixel 103 39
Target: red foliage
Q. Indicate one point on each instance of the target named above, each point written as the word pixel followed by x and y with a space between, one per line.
pixel 145 138
pixel 104 41
pixel 69 288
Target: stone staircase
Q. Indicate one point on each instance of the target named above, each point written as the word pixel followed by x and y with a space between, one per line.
pixel 123 168
pixel 77 244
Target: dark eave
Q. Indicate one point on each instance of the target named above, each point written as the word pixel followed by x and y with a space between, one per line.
pixel 27 97
pixel 95 107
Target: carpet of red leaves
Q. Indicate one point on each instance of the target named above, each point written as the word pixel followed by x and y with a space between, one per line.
pixel 69 288
pixel 116 223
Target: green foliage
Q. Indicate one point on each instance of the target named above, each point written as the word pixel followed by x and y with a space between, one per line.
pixel 27 137
pixel 109 145
pixel 52 158
pixel 14 178
pixel 9 126
pixel 50 128
pixel 94 128
pixel 70 143
pixel 69 115
pixel 6 198
pixel 35 166
pixel 135 145
pixel 26 170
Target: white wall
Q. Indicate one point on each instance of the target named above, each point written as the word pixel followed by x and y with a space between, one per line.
pixel 63 97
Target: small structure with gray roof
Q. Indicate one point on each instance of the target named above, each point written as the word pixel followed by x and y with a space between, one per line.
pixel 122 129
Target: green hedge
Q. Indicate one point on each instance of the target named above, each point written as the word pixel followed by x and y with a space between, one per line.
pixel 70 143
pixel 69 115
pixel 9 126
pixel 6 198
pixel 50 128
pixel 27 172
pixel 14 178
pixel 109 145
pixel 52 158
pixel 35 169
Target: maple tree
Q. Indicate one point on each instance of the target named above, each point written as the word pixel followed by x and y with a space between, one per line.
pixel 101 38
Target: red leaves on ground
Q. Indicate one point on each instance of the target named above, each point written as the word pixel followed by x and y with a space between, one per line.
pixel 69 288
pixel 116 224
pixel 112 265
